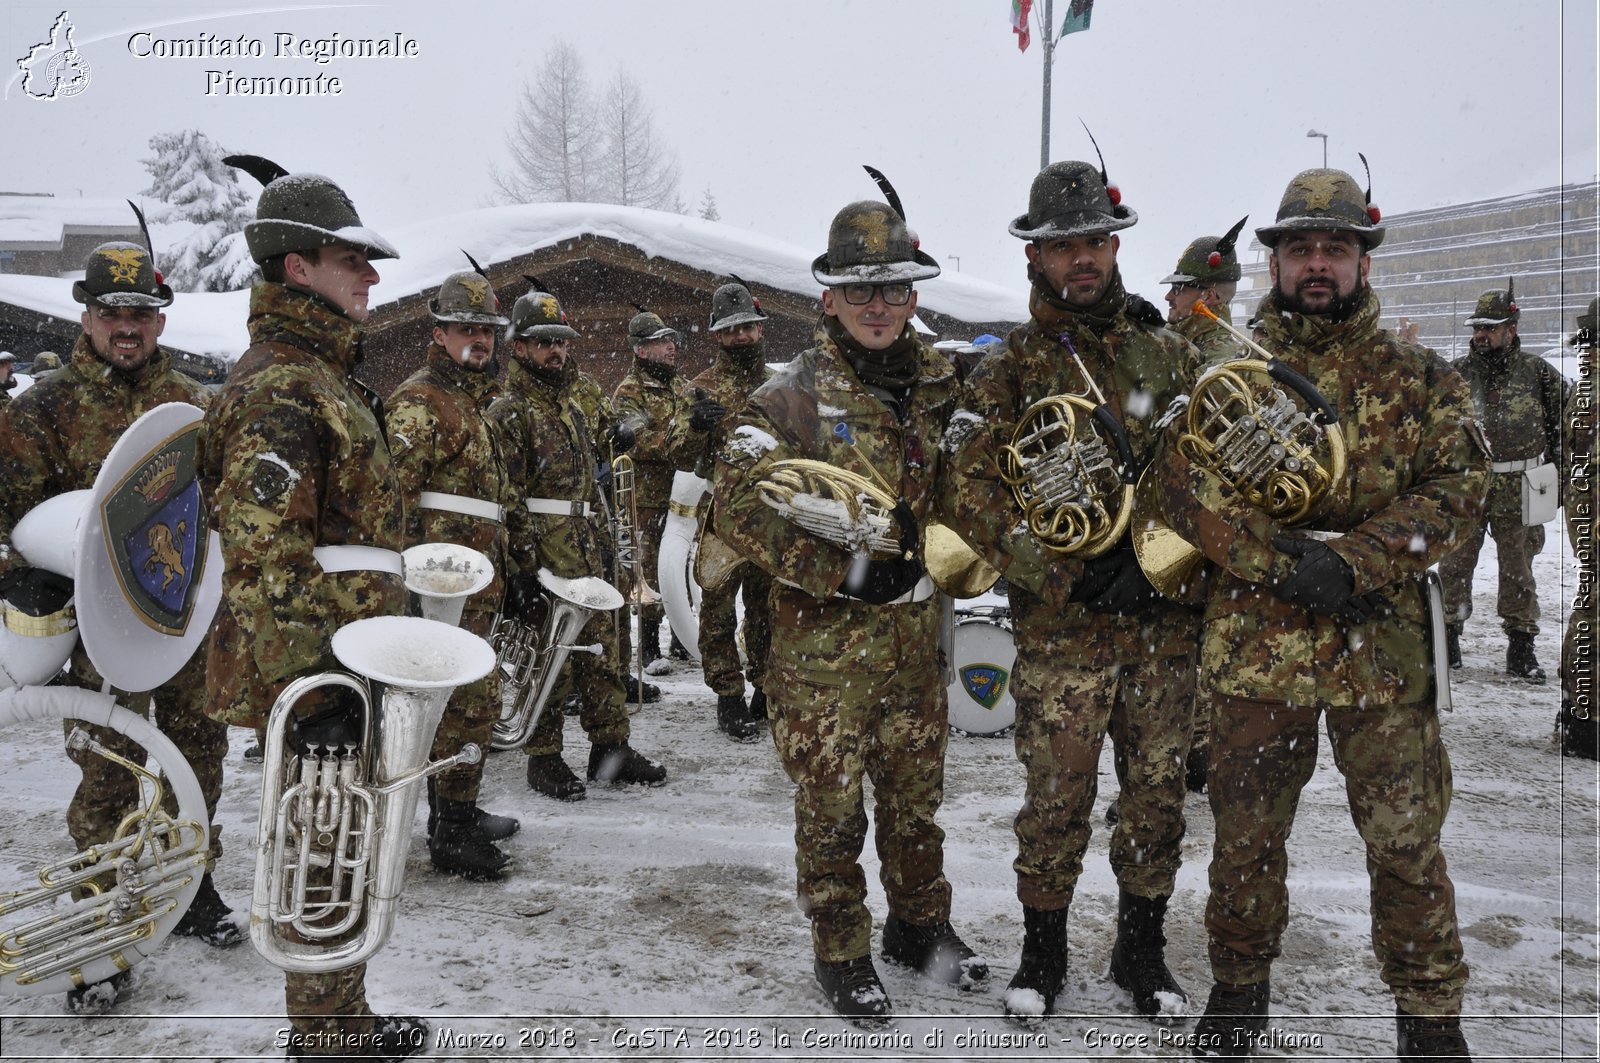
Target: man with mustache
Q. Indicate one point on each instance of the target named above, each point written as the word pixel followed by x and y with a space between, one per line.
pixel 1098 650
pixel 1327 621
pixel 447 460
pixel 54 438
pixel 737 324
pixel 1519 397
pixel 549 451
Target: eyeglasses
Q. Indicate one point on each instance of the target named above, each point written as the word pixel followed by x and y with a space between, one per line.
pixel 862 294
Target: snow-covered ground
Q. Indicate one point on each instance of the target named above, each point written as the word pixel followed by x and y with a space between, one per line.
pixel 661 923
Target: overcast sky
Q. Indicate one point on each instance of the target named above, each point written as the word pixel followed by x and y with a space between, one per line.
pixel 1202 110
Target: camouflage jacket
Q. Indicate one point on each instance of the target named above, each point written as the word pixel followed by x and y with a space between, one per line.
pixel 441 439
pixel 1519 398
pixel 1140 370
pixel 730 381
pixel 295 458
pixel 1415 482
pixel 658 413
pixel 55 436
pixel 549 450
pixel 799 414
pixel 1213 342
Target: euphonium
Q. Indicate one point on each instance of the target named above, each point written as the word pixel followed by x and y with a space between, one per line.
pixel 1075 490
pixel 444 576
pixel 134 888
pixel 336 825
pixel 1243 424
pixel 531 661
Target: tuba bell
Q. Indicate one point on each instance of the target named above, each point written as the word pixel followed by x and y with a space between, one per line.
pixel 1246 421
pixel 676 558
pixel 34 648
pixel 531 660
pixel 123 896
pixel 335 826
pixel 443 576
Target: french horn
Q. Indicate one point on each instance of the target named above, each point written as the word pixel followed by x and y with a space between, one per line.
pixel 1262 428
pixel 335 825
pixel 103 910
pixel 531 659
pixel 1071 471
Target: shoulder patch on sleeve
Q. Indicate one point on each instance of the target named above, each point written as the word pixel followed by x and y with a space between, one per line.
pixel 271 479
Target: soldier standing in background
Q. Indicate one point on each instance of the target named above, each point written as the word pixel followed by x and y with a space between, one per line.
pixel 854 673
pixel 1579 658
pixel 299 472
pixel 549 451
pixel 653 401
pixel 1330 621
pixel 1097 648
pixel 54 438
pixel 727 384
pixel 455 488
pixel 1519 398
pixel 1207 273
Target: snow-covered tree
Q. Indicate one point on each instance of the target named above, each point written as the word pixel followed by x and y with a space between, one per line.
pixel 553 141
pixel 199 192
pixel 636 169
pixel 708 206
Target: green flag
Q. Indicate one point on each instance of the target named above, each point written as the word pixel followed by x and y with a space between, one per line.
pixel 1077 16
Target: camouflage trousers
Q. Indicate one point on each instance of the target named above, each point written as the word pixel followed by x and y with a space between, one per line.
pixel 1517 546
pixel 107 791
pixel 469 716
pixel 328 1009
pixel 1397 779
pixel 602 697
pixel 1063 716
pixel 889 724
pixel 719 636
pixel 651 523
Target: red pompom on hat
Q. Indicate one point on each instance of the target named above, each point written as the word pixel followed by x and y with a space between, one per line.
pixel 1115 193
pixel 1214 259
pixel 1374 213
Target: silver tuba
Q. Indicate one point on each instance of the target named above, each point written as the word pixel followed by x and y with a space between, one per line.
pixel 675 559
pixel 444 576
pixel 121 897
pixel 531 661
pixel 336 827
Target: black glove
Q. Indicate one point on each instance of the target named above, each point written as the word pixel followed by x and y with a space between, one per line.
pixel 883 580
pixel 35 591
pixel 602 476
pixel 622 438
pixel 1321 581
pixel 706 414
pixel 1098 573
pixel 332 724
pixel 523 595
pixel 906 523
pixel 1129 593
pixel 1144 311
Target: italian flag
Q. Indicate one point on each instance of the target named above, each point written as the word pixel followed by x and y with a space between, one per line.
pixel 1019 22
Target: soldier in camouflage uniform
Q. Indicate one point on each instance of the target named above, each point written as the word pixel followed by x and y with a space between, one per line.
pixel 1519 398
pixel 54 439
pixel 727 383
pixel 1330 620
pixel 1578 721
pixel 1208 272
pixel 549 447
pixel 854 675
pixel 296 462
pixel 1097 648
pixel 455 488
pixel 654 402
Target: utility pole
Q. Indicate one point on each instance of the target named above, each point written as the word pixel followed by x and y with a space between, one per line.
pixel 1047 39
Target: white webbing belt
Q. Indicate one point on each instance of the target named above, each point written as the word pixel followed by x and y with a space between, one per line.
pixel 463 504
pixel 358 559
pixel 559 507
pixel 1522 465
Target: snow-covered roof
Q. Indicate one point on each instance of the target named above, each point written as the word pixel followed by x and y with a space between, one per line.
pixel 430 250
pixel 198 322
pixel 38 223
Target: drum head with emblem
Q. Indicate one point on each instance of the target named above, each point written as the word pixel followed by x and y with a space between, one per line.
pixel 980 698
pixel 150 568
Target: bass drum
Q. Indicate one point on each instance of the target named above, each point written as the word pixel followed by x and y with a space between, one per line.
pixel 149 873
pixel 980 695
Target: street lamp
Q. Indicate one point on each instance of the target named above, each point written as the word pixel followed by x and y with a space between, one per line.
pixel 957 260
pixel 1324 136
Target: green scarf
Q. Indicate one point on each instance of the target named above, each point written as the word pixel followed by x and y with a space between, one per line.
pixel 895 368
pixel 1317 333
pixel 1052 311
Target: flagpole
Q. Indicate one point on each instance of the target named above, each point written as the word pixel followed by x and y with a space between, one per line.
pixel 1049 48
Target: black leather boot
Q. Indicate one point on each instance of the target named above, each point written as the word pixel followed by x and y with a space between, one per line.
pixel 1139 961
pixel 459 847
pixel 549 774
pixel 1430 1037
pixel 495 828
pixel 1452 643
pixel 1520 659
pixel 935 951
pixel 855 990
pixel 618 762
pixel 1235 1019
pixel 733 718
pixel 1043 969
pixel 209 919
